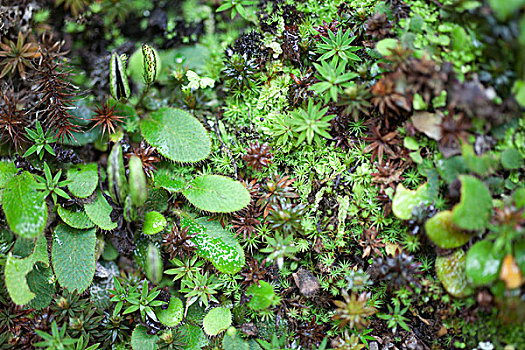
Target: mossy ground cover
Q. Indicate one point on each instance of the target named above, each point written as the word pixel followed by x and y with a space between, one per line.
pixel 256 174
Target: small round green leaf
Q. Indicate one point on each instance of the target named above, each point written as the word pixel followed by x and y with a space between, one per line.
pixel 262 295
pixel 24 206
pixel 154 222
pixel 75 217
pixel 384 46
pixel 234 342
pixel 475 207
pixel 109 253
pixel 519 198
pixel 171 316
pixel 99 211
pixel 217 194
pixel 483 263
pixel 83 179
pixel 141 340
pixel 177 135
pixel 73 256
pixel 443 232
pixel 451 272
pixel 217 320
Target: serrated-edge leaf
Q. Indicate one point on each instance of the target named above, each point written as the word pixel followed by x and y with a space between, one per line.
pixel 41 282
pixel 195 337
pixel 177 135
pixel 73 255
pixel 217 320
pixel 83 179
pixel 24 206
pixel 75 218
pixel 141 340
pixel 172 315
pixel 99 211
pixel 217 194
pixel 169 181
pixel 16 271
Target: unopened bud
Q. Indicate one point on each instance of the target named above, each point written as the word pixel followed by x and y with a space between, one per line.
pixel 118 81
pixel 150 64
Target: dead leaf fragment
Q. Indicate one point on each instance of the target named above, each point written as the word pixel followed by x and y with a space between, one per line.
pixel 510 273
pixel 428 123
pixel 307 283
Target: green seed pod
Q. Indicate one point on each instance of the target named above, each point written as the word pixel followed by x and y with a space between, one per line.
pixel 150 64
pixel 154 264
pixel 137 182
pixel 118 184
pixel 118 81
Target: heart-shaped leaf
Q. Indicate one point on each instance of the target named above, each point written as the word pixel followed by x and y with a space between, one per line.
pixel 405 200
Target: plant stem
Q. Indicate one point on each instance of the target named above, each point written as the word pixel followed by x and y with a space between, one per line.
pixel 144 92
